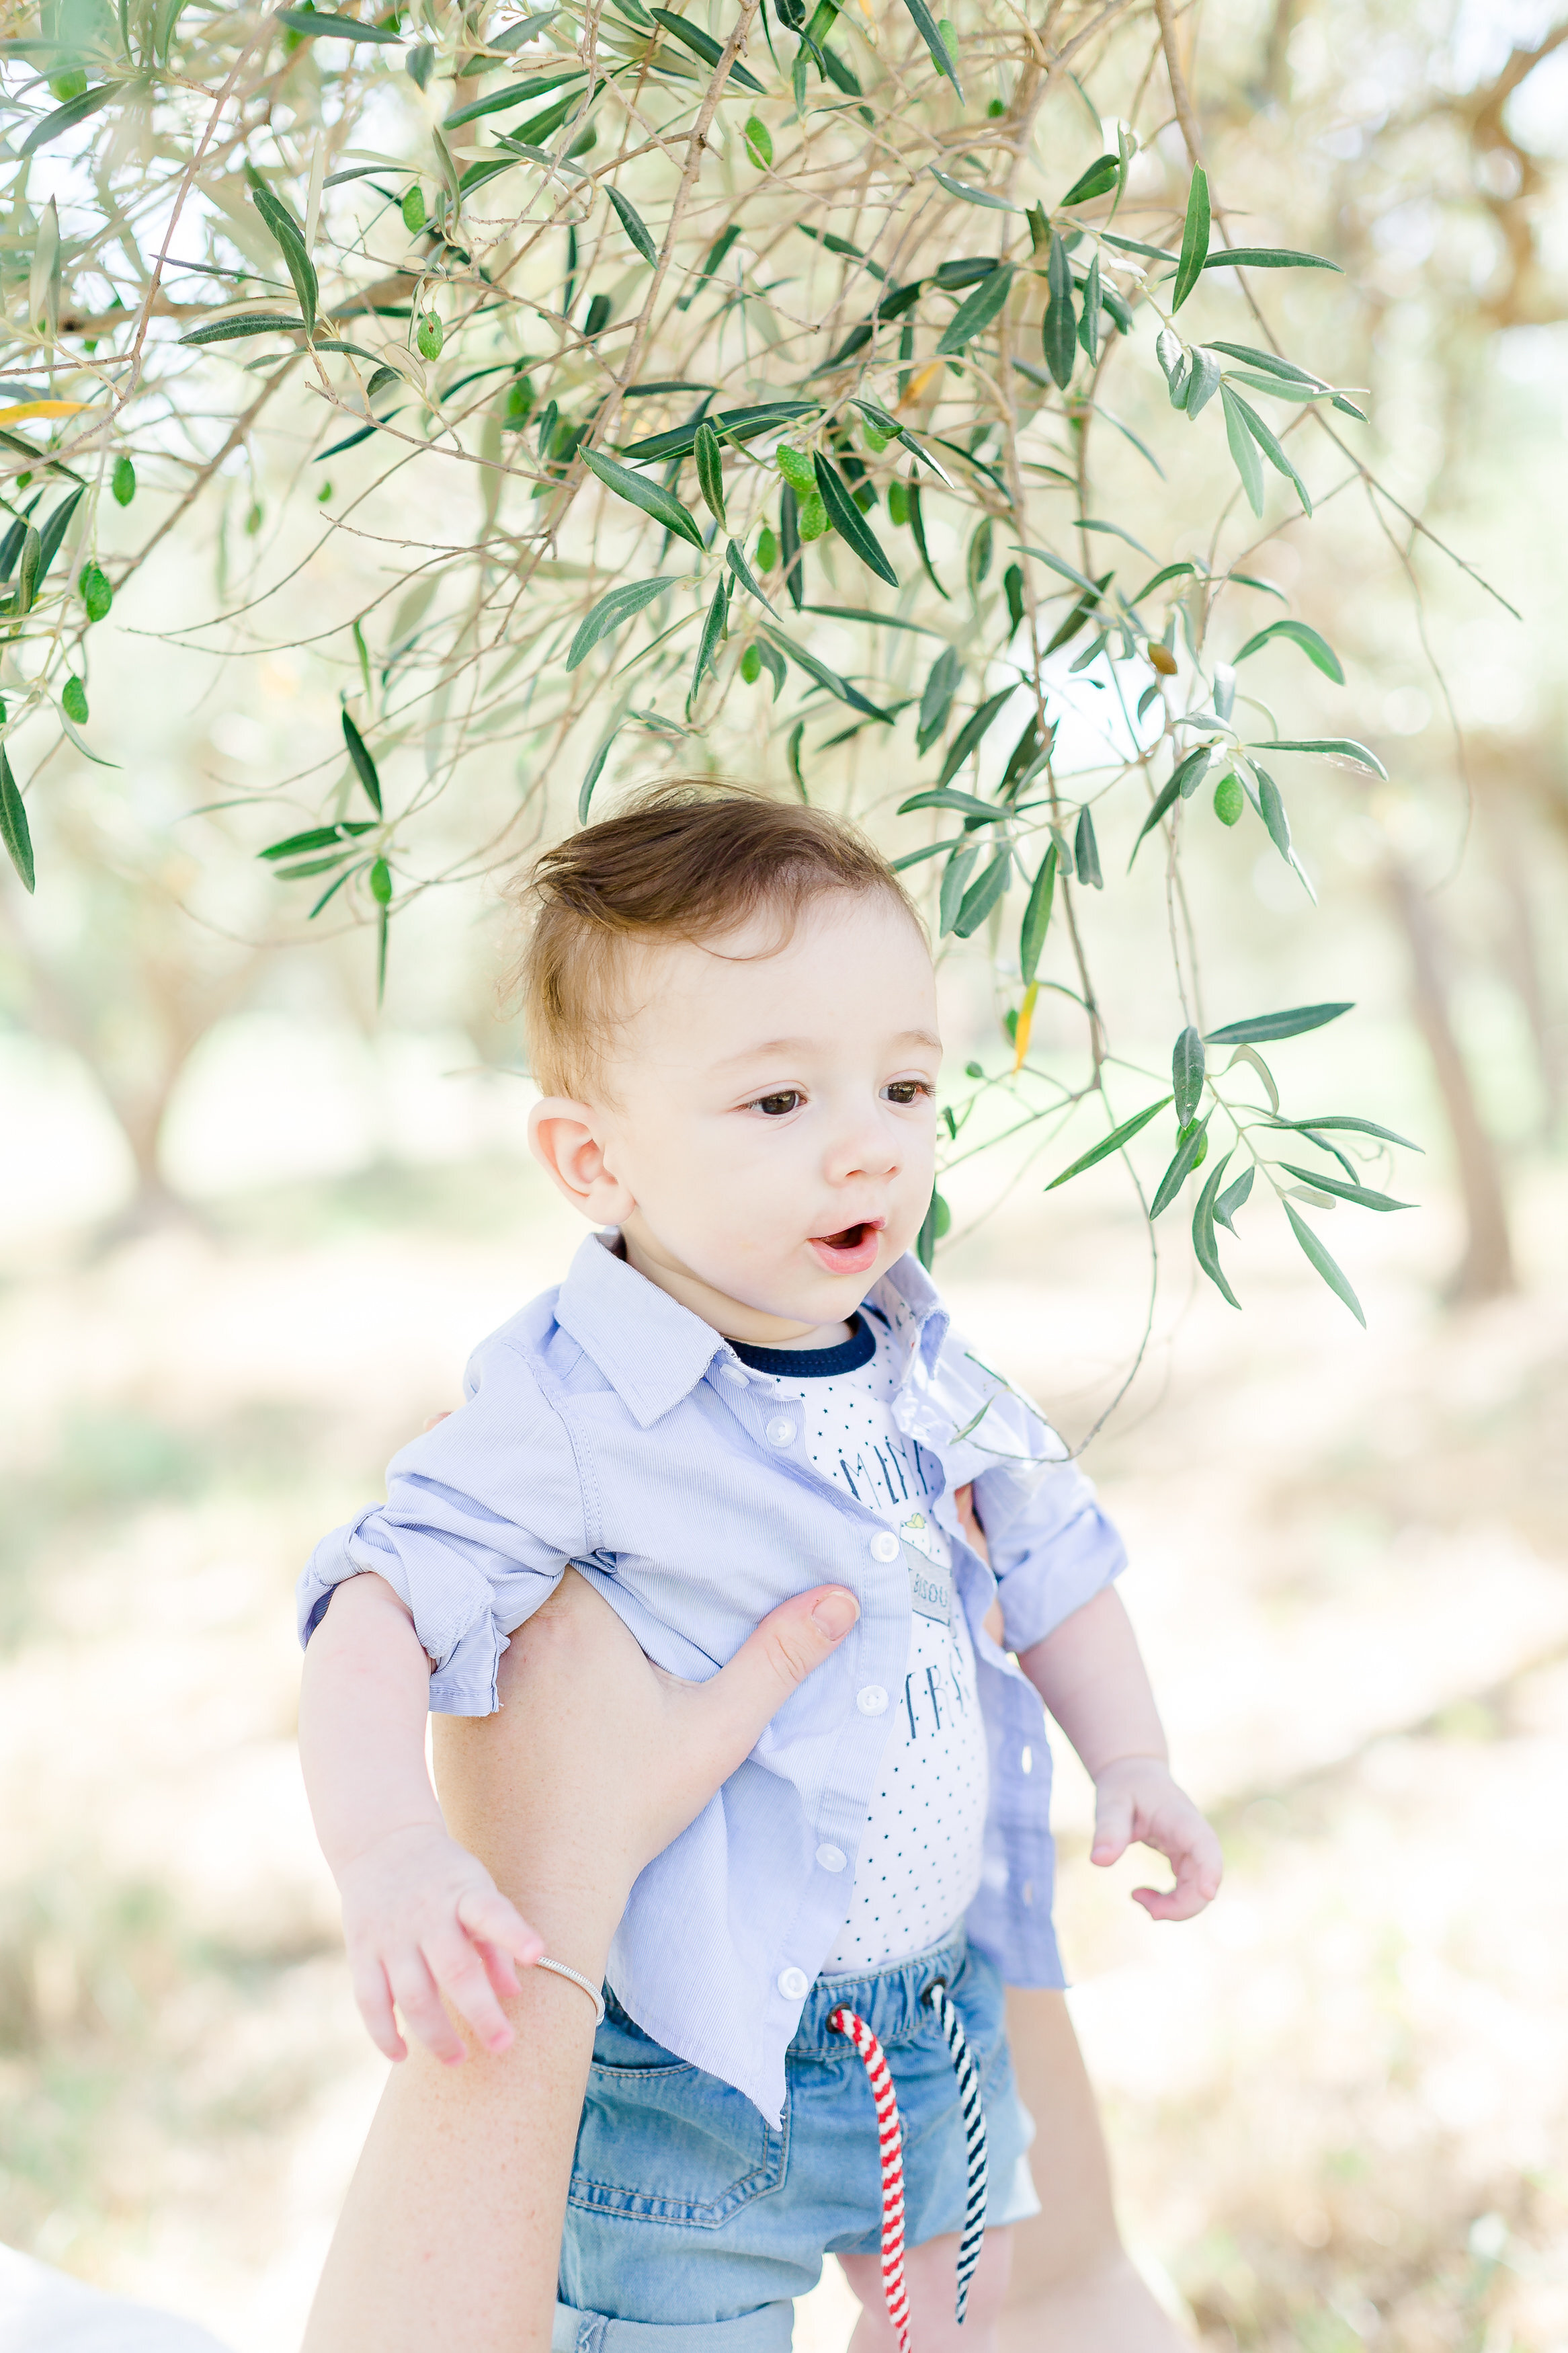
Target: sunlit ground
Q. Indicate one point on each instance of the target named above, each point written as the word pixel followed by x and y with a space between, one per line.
pixel 1339 2105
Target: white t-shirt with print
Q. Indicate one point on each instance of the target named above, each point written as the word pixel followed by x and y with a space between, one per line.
pixel 920 1861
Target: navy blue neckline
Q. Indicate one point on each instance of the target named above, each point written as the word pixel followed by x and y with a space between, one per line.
pixel 813 1364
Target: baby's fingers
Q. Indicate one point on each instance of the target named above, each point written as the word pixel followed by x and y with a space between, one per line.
pixel 1113 1817
pixel 375 1999
pixel 1182 1902
pixel 484 1913
pixel 413 1991
pixel 467 1984
pixel 1199 1867
pixel 501 1969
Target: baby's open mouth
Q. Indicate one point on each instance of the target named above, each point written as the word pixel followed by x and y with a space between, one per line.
pixel 852 1248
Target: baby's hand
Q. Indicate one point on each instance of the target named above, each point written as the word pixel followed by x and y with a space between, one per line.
pixel 1138 1803
pixel 422 1918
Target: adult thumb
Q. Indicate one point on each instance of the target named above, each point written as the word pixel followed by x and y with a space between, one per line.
pixel 791 1644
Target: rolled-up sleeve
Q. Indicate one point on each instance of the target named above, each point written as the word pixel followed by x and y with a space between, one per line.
pixel 482 1514
pixel 1051 1546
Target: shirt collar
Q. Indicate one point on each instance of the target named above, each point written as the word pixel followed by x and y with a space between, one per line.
pixel 911 1287
pixel 651 1350
pixel 654 1352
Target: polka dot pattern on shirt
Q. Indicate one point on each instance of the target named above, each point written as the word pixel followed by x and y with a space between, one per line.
pixel 919 1865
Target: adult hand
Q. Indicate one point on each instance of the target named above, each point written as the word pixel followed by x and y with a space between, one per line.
pixel 595 1761
pixel 597 1758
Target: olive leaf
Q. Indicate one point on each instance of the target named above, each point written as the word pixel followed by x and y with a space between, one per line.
pixel 1205 1244
pixel 365 767
pixel 15 831
pixel 649 496
pixel 1195 239
pixel 1037 918
pixel 1187 1074
pixel 612 613
pixel 848 521
pixel 1317 648
pixel 632 221
pixel 1114 1142
pixel 1260 1027
pixel 975 314
pixel 1326 1266
pixel 710 471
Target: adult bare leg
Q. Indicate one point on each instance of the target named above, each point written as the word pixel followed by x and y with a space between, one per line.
pixel 1074 2288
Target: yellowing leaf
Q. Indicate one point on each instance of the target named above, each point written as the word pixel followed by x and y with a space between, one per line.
pixel 25 408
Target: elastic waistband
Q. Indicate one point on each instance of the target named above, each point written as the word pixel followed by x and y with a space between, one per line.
pixel 889 1999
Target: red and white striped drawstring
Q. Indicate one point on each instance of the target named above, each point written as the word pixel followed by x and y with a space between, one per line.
pixel 890 2140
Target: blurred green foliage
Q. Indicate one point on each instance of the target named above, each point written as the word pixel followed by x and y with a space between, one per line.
pixel 753 345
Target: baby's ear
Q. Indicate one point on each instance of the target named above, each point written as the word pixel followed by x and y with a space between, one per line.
pixel 565 1139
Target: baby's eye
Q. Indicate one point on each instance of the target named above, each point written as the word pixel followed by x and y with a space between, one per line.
pixel 908 1091
pixel 776 1106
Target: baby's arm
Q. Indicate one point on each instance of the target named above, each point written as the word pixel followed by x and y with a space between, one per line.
pixel 421 1916
pixel 1091 1676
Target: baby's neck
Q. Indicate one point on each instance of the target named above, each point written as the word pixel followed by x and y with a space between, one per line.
pixel 821 1335
pixel 732 1317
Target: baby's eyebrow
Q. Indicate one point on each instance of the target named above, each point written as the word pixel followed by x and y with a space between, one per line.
pixel 804 1045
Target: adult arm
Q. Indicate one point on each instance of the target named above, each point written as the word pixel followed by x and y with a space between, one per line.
pixel 595 1762
pixel 1073 2288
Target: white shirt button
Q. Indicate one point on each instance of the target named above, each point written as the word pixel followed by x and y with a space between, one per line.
pixel 793 1984
pixel 872 1700
pixel 884 1544
pixel 780 1430
pixel 831 1858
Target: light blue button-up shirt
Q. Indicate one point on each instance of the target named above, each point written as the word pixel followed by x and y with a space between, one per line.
pixel 608 1427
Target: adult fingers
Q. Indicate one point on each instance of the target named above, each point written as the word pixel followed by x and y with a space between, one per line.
pixel 414 1992
pixel 1113 1814
pixel 791 1644
pixel 375 1999
pixel 462 1978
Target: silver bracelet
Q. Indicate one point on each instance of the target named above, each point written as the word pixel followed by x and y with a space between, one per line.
pixel 560 1969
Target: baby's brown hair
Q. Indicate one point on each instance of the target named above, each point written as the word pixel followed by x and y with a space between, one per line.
pixel 684 861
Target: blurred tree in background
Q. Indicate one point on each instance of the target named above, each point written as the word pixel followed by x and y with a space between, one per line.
pixel 923 415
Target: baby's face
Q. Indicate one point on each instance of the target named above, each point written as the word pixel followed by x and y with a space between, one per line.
pixel 773 1119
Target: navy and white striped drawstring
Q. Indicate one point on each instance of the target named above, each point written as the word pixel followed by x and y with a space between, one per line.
pixel 975 2153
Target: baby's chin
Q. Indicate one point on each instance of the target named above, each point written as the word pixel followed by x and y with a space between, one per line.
pixel 807 1292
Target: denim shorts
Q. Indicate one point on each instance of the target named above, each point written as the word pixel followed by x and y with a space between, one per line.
pixel 693 2223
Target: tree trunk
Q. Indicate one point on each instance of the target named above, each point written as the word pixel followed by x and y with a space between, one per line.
pixel 1486 1270
pixel 1519 952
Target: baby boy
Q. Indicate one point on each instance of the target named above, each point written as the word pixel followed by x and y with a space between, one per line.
pixel 746 1386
